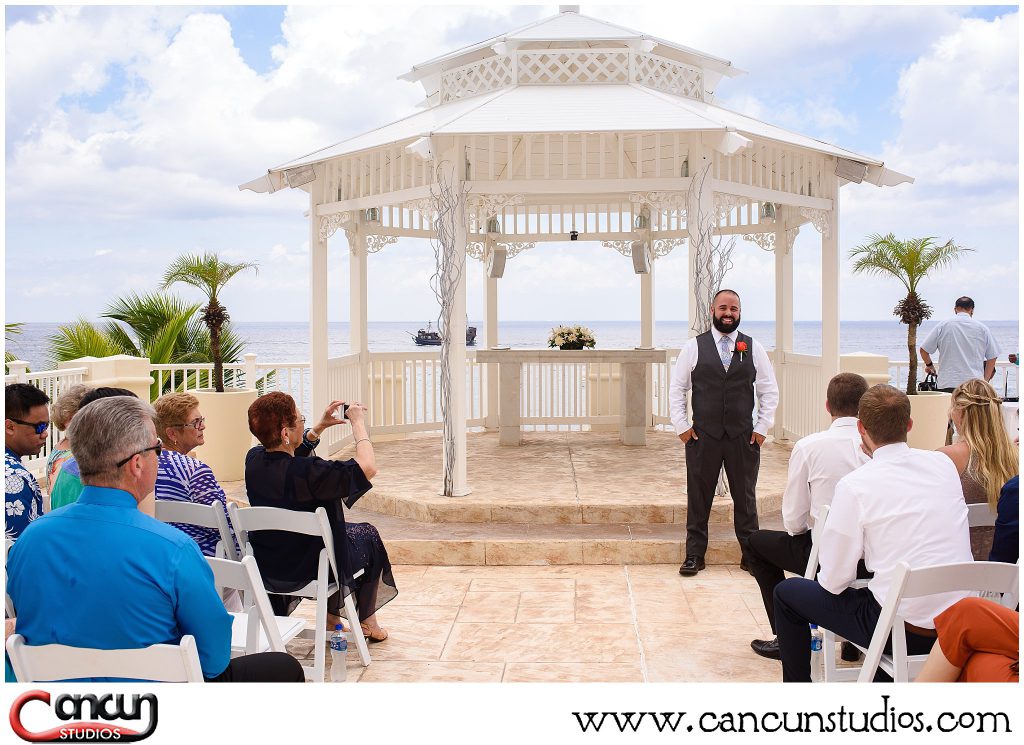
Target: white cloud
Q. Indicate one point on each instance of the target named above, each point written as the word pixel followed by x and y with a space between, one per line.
pixel 103 252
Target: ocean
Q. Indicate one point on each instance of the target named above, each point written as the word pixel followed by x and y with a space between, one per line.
pixel 289 341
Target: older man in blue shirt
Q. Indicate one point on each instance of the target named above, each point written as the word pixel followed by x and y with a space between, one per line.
pixel 99 573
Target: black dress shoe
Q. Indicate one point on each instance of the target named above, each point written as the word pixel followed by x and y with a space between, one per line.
pixel 691 566
pixel 767 648
pixel 849 652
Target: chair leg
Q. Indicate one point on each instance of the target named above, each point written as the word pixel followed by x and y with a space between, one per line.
pixel 320 638
pixel 357 630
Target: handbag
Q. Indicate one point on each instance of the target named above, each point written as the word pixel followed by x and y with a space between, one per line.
pixel 930 383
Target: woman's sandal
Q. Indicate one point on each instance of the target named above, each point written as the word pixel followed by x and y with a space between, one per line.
pixel 374 636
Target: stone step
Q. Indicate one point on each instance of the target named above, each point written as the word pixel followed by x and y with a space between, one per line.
pixel 470 544
pixel 639 510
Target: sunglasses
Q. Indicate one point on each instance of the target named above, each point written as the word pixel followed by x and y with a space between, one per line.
pixel 157 448
pixel 39 427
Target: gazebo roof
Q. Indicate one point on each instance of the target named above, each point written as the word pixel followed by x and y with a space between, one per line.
pixel 580 82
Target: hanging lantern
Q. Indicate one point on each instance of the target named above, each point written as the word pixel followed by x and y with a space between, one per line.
pixel 493 226
pixel 767 212
pixel 372 216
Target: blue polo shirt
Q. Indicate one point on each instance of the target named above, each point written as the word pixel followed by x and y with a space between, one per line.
pixel 99 573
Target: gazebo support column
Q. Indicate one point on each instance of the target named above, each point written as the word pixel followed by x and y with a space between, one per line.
pixel 489 384
pixel 830 293
pixel 320 394
pixel 454 472
pixel 357 316
pixel 647 334
pixel 783 318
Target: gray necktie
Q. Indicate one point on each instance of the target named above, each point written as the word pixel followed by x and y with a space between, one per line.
pixel 724 352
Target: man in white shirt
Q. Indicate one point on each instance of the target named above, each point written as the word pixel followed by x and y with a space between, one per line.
pixel 905 505
pixel 966 348
pixel 725 371
pixel 816 463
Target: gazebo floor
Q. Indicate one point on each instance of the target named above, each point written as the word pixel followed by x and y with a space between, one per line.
pixel 560 499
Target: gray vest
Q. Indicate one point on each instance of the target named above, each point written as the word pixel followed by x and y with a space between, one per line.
pixel 723 402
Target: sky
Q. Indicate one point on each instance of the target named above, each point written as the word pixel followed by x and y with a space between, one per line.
pixel 129 128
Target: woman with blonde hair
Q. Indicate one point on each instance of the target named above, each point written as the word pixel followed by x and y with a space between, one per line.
pixel 984 455
pixel 179 477
pixel 61 413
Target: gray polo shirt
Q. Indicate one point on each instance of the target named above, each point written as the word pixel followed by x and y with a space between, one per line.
pixel 963 345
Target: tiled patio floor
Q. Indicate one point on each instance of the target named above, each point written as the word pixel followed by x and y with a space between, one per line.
pixel 567 623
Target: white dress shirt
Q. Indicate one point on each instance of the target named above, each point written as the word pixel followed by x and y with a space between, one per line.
pixel 765 387
pixel 903 505
pixel 816 463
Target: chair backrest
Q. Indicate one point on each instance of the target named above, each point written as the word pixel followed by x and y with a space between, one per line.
pixel 968 576
pixel 246 520
pixel 164 663
pixel 980 515
pixel 203 515
pixel 244 576
pixel 819 525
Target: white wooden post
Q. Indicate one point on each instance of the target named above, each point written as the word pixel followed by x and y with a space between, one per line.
pixel 830 293
pixel 320 395
pixel 357 314
pixel 647 336
pixel 19 369
pixel 250 370
pixel 783 317
pixel 489 372
pixel 456 413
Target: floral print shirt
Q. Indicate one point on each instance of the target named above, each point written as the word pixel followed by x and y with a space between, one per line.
pixel 24 500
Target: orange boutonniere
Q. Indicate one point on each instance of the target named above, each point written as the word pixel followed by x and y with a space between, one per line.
pixel 741 347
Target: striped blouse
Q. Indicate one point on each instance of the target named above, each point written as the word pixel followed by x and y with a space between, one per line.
pixel 180 478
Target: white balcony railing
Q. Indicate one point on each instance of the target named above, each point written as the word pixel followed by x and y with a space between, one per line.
pixel 53 383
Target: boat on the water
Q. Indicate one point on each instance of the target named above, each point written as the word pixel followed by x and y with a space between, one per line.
pixel 428 337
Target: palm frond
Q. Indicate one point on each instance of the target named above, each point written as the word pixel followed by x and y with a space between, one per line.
pixel 206 272
pixel 79 339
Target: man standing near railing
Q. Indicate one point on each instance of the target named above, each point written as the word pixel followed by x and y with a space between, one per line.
pixel 725 370
pixel 966 348
pixel 26 420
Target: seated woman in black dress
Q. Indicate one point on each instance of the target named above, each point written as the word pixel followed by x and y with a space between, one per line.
pixel 284 472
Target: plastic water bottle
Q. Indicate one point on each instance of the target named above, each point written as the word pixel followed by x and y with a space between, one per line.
pixel 339 651
pixel 817 658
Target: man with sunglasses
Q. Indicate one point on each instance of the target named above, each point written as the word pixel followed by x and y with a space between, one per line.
pixel 26 424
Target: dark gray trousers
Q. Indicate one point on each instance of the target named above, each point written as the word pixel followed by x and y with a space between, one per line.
pixel 705 457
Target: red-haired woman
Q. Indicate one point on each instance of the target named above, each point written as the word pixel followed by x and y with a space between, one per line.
pixel 284 472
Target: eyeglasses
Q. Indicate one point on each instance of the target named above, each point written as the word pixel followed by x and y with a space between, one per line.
pixel 158 447
pixel 39 427
pixel 195 423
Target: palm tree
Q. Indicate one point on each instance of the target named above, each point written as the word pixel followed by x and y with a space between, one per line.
pixel 161 327
pixel 209 274
pixel 909 261
pixel 10 329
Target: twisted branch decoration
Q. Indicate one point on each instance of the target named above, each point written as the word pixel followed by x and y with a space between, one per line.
pixel 449 197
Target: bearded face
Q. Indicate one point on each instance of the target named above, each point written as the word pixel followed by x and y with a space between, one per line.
pixel 725 312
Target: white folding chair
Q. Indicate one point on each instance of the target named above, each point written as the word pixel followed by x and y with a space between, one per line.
pixel 203 515
pixel 256 628
pixel 249 519
pixel 980 515
pixel 812 561
pixel 907 583
pixel 163 663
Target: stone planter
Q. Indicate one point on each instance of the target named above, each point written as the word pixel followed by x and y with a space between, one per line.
pixel 227 431
pixel 930 412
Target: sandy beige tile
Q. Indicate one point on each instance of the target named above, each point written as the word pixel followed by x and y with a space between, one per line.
pixel 534 552
pixel 442 591
pixel 572 672
pixel 569 642
pixel 433 552
pixel 489 607
pixel 523 584
pixel 387 671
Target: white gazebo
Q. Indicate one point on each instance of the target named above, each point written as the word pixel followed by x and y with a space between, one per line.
pixel 570 128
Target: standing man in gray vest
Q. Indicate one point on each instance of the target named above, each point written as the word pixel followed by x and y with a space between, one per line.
pixel 725 370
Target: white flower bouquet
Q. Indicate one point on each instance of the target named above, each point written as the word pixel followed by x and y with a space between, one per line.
pixel 571 337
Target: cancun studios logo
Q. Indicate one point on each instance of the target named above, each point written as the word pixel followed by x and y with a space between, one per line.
pixel 90 718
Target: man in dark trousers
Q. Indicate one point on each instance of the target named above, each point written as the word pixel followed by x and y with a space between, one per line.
pixel 725 370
